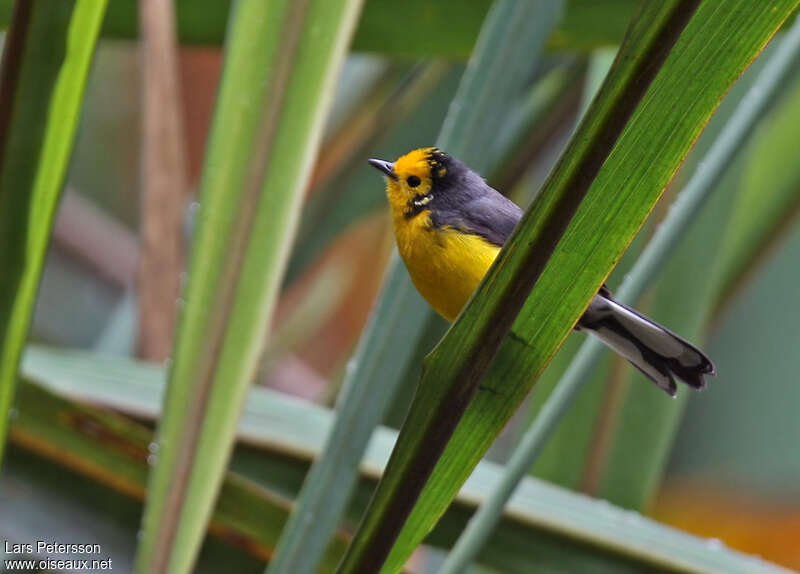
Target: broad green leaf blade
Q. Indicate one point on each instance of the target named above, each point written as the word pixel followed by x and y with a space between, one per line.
pixel 625 189
pixel 639 449
pixel 281 61
pixel 514 33
pixel 45 66
pixel 115 451
pixel 543 524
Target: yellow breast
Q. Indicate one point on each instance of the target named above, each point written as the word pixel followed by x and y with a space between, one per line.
pixel 445 265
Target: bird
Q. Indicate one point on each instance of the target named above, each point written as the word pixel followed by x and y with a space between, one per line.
pixel 449 226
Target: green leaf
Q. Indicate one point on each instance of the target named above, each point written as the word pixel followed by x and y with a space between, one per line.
pixel 543 524
pixel 46 61
pixel 622 188
pixel 280 65
pixel 513 35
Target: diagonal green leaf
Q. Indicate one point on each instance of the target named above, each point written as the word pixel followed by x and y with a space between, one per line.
pixel 45 64
pixel 543 525
pixel 281 61
pixel 622 188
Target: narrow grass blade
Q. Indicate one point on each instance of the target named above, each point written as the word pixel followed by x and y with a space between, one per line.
pixel 688 205
pixel 281 61
pixel 489 87
pixel 46 62
pixel 620 190
pixel 544 525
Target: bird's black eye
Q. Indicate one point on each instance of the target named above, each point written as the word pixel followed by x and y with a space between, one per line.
pixel 413 181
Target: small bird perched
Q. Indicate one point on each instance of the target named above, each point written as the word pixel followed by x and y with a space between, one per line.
pixel 450 225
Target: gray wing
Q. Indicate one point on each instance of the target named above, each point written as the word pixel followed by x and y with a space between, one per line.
pixel 481 211
pixel 493 217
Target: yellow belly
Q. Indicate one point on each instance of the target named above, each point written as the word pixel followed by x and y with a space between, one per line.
pixel 445 265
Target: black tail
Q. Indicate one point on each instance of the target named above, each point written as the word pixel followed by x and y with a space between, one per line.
pixel 656 351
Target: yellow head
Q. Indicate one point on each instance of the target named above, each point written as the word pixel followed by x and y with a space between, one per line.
pixel 411 178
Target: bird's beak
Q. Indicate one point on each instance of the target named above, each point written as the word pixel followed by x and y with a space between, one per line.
pixel 385 167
